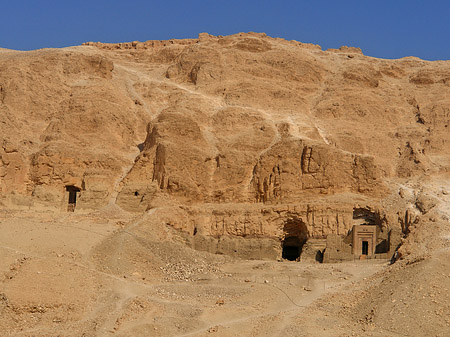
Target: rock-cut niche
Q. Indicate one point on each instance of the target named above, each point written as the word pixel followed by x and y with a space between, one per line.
pixel 295 236
pixel 368 237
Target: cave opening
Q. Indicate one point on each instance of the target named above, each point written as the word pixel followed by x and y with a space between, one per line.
pixel 292 248
pixel 295 236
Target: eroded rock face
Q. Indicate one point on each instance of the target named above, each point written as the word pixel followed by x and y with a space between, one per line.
pixel 257 230
pixel 240 122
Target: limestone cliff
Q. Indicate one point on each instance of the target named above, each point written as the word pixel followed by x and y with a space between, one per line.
pixel 242 125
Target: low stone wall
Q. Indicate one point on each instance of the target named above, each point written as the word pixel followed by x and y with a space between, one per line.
pixel 245 248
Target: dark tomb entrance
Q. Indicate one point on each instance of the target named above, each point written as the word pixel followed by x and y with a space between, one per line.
pixel 295 236
pixel 73 190
pixel 365 248
pixel 292 247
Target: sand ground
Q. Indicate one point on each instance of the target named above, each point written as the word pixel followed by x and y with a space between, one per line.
pixel 60 276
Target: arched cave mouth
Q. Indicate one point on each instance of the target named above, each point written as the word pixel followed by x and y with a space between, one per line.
pixel 295 236
pixel 292 248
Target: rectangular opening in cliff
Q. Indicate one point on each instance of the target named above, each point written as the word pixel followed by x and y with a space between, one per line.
pixel 72 200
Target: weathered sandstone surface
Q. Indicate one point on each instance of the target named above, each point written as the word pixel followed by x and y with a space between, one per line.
pixel 235 136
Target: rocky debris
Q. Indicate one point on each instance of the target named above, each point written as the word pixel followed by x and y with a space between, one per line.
pixel 15 267
pixel 425 202
pixel 150 44
pixel 213 329
pixel 178 271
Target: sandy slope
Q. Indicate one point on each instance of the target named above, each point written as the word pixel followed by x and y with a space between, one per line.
pixel 90 274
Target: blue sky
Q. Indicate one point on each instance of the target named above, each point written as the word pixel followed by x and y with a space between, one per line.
pixel 381 28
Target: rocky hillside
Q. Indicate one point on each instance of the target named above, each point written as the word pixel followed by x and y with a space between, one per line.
pixel 227 128
pixel 229 145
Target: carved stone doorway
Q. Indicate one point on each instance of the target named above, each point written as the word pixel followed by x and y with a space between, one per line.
pixel 72 200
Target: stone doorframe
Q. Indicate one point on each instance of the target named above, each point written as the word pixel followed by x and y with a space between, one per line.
pixel 364 233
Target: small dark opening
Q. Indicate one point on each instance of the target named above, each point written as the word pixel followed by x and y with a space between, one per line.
pixel 319 256
pixel 72 201
pixel 365 248
pixel 72 197
pixel 195 230
pixel 291 248
pixel 136 193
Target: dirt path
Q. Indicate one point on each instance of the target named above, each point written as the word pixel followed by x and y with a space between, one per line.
pixel 289 299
